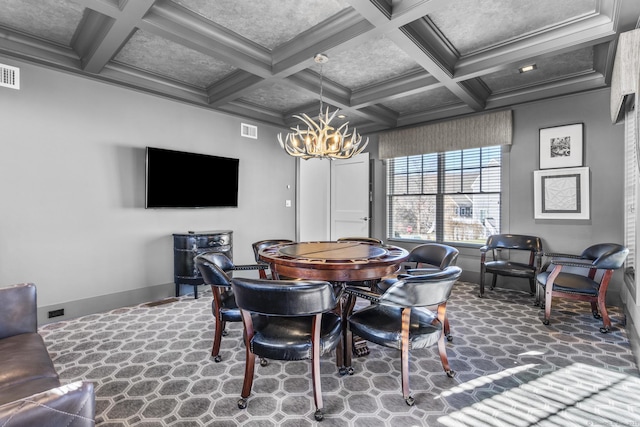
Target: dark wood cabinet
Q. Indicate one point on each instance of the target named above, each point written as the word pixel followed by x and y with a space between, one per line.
pixel 186 246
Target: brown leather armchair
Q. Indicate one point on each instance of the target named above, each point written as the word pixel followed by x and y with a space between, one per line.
pixel 261 244
pixel 215 268
pixel 399 318
pixel 501 267
pixel 424 259
pixel 583 277
pixel 30 390
pixel 287 320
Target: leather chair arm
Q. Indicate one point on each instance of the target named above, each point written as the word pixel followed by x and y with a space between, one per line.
pixel 419 272
pixel 71 404
pixel 560 255
pixel 251 267
pixel 574 263
pixel 361 293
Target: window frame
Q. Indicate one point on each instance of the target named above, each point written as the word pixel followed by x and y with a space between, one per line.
pixel 441 194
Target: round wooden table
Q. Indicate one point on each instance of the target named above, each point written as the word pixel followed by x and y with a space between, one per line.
pixel 337 262
pixel 333 261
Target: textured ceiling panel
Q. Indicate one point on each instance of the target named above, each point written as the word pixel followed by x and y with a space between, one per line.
pixel 471 25
pixel 279 97
pixel 423 101
pixel 391 63
pixel 56 22
pixel 161 56
pixel 268 23
pixel 548 69
pixel 374 60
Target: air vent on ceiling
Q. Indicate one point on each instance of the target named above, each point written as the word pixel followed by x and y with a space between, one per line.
pixel 249 131
pixel 9 76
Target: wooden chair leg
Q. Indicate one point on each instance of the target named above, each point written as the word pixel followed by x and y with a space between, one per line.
pixel 315 366
pixel 594 310
pixel 404 355
pixel 217 340
pixel 482 274
pixel 442 348
pixel 250 359
pixel 548 293
pixel 493 281
pixel 606 321
pixel 447 329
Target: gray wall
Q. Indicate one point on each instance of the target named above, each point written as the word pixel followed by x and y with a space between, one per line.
pixel 604 155
pixel 72 183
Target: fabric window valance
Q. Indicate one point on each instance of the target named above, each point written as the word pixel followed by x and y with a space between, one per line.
pixel 625 78
pixel 458 134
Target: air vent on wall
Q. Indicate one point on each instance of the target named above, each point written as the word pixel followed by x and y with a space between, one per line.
pixel 9 76
pixel 249 131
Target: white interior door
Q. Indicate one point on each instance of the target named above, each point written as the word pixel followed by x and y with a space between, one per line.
pixel 313 200
pixel 350 214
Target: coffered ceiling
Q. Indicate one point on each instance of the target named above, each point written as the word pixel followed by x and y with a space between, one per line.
pixel 392 63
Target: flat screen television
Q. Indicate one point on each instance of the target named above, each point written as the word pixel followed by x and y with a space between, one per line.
pixel 177 179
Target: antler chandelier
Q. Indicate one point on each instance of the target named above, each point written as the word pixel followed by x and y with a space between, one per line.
pixel 320 139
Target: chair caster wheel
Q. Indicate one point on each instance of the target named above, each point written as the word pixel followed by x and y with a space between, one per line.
pixel 545 322
pixel 604 330
pixel 263 362
pixel 242 403
pixel 225 333
pixel 596 315
pixel 449 338
pixel 342 371
pixel 350 370
pixel 410 400
pixel 217 359
pixel 480 295
pixel 318 415
pixel 451 373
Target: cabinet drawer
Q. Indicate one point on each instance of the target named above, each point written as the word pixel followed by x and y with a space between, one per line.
pixel 199 241
pixel 212 241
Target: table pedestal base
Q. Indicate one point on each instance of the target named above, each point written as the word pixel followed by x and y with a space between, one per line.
pixel 360 347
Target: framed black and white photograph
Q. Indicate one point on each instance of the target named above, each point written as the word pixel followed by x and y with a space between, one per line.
pixel 561 193
pixel 561 146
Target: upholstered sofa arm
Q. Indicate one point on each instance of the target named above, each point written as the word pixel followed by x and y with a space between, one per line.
pixel 19 310
pixel 71 405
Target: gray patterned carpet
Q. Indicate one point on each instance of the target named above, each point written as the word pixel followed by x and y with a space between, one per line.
pixel 151 366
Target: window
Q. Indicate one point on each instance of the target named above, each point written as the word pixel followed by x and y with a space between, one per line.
pixel 445 197
pixel 630 191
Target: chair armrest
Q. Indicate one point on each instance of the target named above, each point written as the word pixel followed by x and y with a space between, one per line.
pixel 361 293
pixel 19 310
pixel 419 272
pixel 560 255
pixel 573 263
pixel 251 267
pixel 71 404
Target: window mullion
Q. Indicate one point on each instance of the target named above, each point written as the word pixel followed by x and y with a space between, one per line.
pixel 440 199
